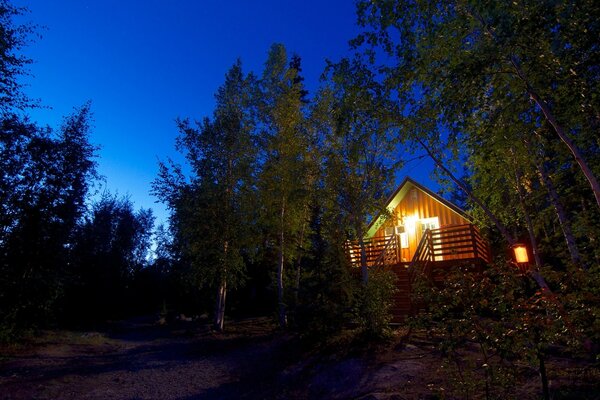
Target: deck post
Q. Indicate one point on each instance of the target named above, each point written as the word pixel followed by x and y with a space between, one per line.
pixel 429 235
pixel 398 249
pixel 473 240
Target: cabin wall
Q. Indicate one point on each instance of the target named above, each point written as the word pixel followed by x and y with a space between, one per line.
pixel 410 212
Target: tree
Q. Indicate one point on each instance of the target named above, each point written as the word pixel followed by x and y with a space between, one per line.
pixel 12 64
pixel 112 246
pixel 284 180
pixel 350 113
pixel 211 214
pixel 44 185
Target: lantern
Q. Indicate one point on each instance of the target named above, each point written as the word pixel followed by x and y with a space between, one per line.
pixel 521 256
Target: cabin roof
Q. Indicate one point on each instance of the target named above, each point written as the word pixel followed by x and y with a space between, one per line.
pixel 399 194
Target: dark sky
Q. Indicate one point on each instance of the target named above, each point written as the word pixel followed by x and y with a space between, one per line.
pixel 143 63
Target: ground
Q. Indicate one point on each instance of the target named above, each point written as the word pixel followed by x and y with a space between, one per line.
pixel 140 359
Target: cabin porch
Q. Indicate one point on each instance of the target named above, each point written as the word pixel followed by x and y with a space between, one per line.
pixel 438 250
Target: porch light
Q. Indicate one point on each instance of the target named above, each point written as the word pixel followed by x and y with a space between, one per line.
pixel 410 223
pixel 521 256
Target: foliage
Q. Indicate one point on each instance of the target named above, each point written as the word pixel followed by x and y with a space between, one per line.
pixel 12 63
pixel 499 313
pixel 47 179
pixel 212 214
pixel 372 308
pixel 112 248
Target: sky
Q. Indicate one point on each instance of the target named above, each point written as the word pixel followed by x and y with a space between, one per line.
pixel 144 63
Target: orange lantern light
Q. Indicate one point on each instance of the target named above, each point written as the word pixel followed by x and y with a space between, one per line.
pixel 521 256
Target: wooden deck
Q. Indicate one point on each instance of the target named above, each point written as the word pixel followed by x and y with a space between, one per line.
pixel 439 250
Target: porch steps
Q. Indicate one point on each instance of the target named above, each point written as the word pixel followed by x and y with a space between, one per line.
pixel 401 306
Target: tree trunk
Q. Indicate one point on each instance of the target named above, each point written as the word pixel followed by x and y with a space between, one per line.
pixel 364 269
pixel 281 304
pixel 220 308
pixel 299 264
pixel 549 115
pixel 528 222
pixel 499 225
pixel 543 375
pixel 565 223
pixel 537 277
pixel 222 292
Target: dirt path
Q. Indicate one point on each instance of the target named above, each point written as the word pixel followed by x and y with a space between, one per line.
pixel 139 360
pixel 142 361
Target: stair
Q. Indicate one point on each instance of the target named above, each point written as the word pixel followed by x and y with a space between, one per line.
pixel 401 306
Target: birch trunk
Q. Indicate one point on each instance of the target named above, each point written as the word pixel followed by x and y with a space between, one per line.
pixel 220 308
pixel 280 265
pixel 299 263
pixel 549 115
pixel 364 269
pixel 565 223
pixel 536 276
pixel 499 225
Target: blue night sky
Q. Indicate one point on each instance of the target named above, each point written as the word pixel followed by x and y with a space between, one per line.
pixel 144 63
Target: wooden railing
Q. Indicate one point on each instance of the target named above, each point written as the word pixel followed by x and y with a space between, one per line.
pixel 378 251
pixel 457 242
pixel 422 258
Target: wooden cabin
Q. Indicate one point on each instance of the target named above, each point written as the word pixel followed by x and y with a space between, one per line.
pixel 421 233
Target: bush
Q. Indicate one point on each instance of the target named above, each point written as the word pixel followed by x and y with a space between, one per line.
pixel 373 304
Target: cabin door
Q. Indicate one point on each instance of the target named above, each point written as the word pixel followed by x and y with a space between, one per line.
pixel 431 224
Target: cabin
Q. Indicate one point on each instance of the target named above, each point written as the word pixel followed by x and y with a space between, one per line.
pixel 421 233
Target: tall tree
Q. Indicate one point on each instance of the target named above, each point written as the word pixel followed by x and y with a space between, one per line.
pixel 12 64
pixel 44 184
pixel 211 213
pixel 350 112
pixel 284 178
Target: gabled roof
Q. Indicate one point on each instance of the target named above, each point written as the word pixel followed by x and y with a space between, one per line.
pixel 399 195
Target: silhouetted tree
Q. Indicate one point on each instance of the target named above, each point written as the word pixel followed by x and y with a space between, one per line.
pixel 12 63
pixel 112 246
pixel 43 193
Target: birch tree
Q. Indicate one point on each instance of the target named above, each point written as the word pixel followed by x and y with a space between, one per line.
pixel 284 178
pixel 210 215
pixel 357 148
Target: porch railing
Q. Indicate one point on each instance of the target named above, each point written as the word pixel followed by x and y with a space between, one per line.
pixel 449 243
pixel 378 251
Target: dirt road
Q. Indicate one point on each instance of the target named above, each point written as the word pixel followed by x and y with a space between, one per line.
pixel 138 359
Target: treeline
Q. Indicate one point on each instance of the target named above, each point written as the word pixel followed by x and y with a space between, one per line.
pixel 64 257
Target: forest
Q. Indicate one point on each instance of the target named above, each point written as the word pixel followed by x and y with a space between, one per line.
pixel 504 99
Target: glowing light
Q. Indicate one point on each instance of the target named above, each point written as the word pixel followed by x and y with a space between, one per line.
pixel 521 255
pixel 404 240
pixel 410 223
